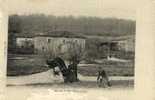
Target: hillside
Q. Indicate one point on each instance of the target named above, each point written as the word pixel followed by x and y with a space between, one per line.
pixel 30 24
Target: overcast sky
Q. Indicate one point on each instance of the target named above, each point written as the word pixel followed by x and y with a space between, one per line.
pixel 100 8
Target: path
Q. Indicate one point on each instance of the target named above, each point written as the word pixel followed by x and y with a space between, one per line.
pixel 41 88
pixel 48 78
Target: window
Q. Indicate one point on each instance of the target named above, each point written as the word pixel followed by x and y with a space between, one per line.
pixel 63 41
pixel 43 48
pixel 49 40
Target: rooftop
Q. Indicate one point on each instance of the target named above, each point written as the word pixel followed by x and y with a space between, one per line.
pixel 65 34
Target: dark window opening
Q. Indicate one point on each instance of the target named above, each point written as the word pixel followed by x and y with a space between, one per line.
pixel 63 41
pixel 43 48
pixel 49 40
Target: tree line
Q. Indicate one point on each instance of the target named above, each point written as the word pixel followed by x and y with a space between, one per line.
pixel 29 24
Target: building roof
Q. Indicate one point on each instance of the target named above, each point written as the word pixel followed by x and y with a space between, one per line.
pixel 112 38
pixel 65 34
pixel 24 35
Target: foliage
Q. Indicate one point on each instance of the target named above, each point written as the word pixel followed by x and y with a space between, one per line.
pixel 85 25
pixel 74 52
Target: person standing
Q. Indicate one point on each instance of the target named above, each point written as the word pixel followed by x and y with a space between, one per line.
pixel 102 78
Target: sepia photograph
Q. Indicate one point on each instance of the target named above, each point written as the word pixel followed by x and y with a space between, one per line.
pixel 79 47
pixel 84 51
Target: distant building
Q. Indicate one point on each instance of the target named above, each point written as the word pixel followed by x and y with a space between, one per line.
pixel 24 44
pixel 57 42
pixel 111 46
pixel 126 44
pixel 24 41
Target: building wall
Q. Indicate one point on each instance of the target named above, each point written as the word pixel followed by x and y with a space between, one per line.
pixel 127 45
pixel 55 45
pixel 23 42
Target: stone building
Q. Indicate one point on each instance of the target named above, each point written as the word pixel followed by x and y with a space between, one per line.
pixel 24 44
pixel 58 42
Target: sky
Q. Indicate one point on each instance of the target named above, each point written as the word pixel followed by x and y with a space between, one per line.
pixel 125 9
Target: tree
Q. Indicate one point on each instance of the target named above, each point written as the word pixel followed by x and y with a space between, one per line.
pixel 15 24
pixel 14 27
pixel 92 49
pixel 71 51
pixel 74 55
pixel 85 25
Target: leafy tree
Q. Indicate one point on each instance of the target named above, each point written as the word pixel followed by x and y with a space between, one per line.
pixel 74 54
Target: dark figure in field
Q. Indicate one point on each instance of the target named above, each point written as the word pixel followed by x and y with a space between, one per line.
pixel 73 69
pixel 102 78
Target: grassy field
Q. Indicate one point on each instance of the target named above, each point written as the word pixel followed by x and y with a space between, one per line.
pixel 25 64
pixel 113 68
pixel 30 64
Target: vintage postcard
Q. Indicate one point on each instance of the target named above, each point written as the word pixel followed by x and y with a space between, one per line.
pixel 74 49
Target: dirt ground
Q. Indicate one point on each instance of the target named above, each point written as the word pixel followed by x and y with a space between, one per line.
pixel 43 86
pixel 47 78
